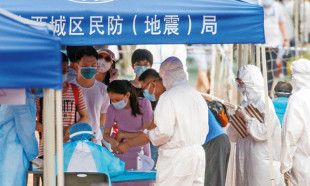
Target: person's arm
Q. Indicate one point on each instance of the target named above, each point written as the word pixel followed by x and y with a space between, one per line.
pixel 293 127
pixel 107 138
pixel 139 140
pixel 102 119
pixel 25 123
pixel 39 127
pixel 83 116
pixel 126 135
pixel 283 31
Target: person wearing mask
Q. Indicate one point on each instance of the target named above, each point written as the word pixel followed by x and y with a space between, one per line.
pixel 107 71
pixel 141 60
pixel 282 92
pixel 71 52
pixel 179 130
pixel 275 34
pixel 252 160
pixel 82 155
pixel 295 153
pixel 72 102
pixel 131 115
pixel 95 92
pixel 18 142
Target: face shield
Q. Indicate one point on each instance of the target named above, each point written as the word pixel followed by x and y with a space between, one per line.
pixel 250 82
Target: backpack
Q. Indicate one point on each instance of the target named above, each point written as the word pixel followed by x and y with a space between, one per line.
pixel 76 99
pixel 219 111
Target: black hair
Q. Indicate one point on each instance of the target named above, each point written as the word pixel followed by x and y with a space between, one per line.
pixel 283 89
pixel 64 57
pixel 86 51
pixel 122 87
pixel 71 52
pixel 150 73
pixel 141 55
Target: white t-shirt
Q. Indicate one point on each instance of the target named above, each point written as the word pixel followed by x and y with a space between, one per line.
pixel 98 101
pixel 273 16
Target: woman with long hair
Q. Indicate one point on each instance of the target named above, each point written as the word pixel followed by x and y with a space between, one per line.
pixel 131 115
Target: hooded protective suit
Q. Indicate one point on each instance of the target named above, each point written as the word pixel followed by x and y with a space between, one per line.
pixel 181 117
pixel 295 153
pixel 18 144
pixel 252 151
pixel 82 155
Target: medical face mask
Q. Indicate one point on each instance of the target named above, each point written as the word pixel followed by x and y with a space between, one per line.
pixel 103 66
pixel 140 69
pixel 149 96
pixel 88 72
pixel 119 105
pixel 241 88
pixel 64 77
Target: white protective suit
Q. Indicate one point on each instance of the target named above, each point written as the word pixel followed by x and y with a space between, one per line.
pixel 295 154
pixel 181 117
pixel 252 160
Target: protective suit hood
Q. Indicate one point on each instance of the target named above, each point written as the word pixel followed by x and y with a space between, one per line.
pixel 301 74
pixel 253 81
pixel 172 72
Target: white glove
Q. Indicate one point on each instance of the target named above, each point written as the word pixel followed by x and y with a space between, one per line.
pixel 38 162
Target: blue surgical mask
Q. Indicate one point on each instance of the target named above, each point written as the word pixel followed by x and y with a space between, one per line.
pixel 140 69
pixel 88 72
pixel 149 96
pixel 119 105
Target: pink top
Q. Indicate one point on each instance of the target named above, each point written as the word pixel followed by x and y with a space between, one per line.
pixel 126 122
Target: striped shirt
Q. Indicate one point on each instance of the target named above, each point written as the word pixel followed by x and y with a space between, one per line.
pixel 68 110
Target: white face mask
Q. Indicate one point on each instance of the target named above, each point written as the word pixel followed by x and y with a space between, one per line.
pixel 103 66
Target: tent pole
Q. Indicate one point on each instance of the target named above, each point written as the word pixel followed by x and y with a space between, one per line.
pixel 258 54
pixel 59 138
pixel 267 116
pixel 213 63
pixel 49 137
pixel 252 54
pixel 296 25
pixel 239 64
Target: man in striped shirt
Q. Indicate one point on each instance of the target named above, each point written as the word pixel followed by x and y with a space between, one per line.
pixel 72 101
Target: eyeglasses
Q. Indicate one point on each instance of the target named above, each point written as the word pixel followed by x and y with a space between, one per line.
pixel 106 58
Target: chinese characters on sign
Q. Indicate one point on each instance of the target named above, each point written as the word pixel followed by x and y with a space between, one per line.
pixel 113 25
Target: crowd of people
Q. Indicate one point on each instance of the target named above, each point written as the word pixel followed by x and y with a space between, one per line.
pixel 109 125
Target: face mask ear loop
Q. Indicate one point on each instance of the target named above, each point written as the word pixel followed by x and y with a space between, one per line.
pixel 154 89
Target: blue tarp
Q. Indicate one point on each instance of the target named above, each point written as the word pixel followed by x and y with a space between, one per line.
pixel 91 22
pixel 29 57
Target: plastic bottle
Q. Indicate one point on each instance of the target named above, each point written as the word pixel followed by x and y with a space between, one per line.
pixel 114 130
pixel 139 161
